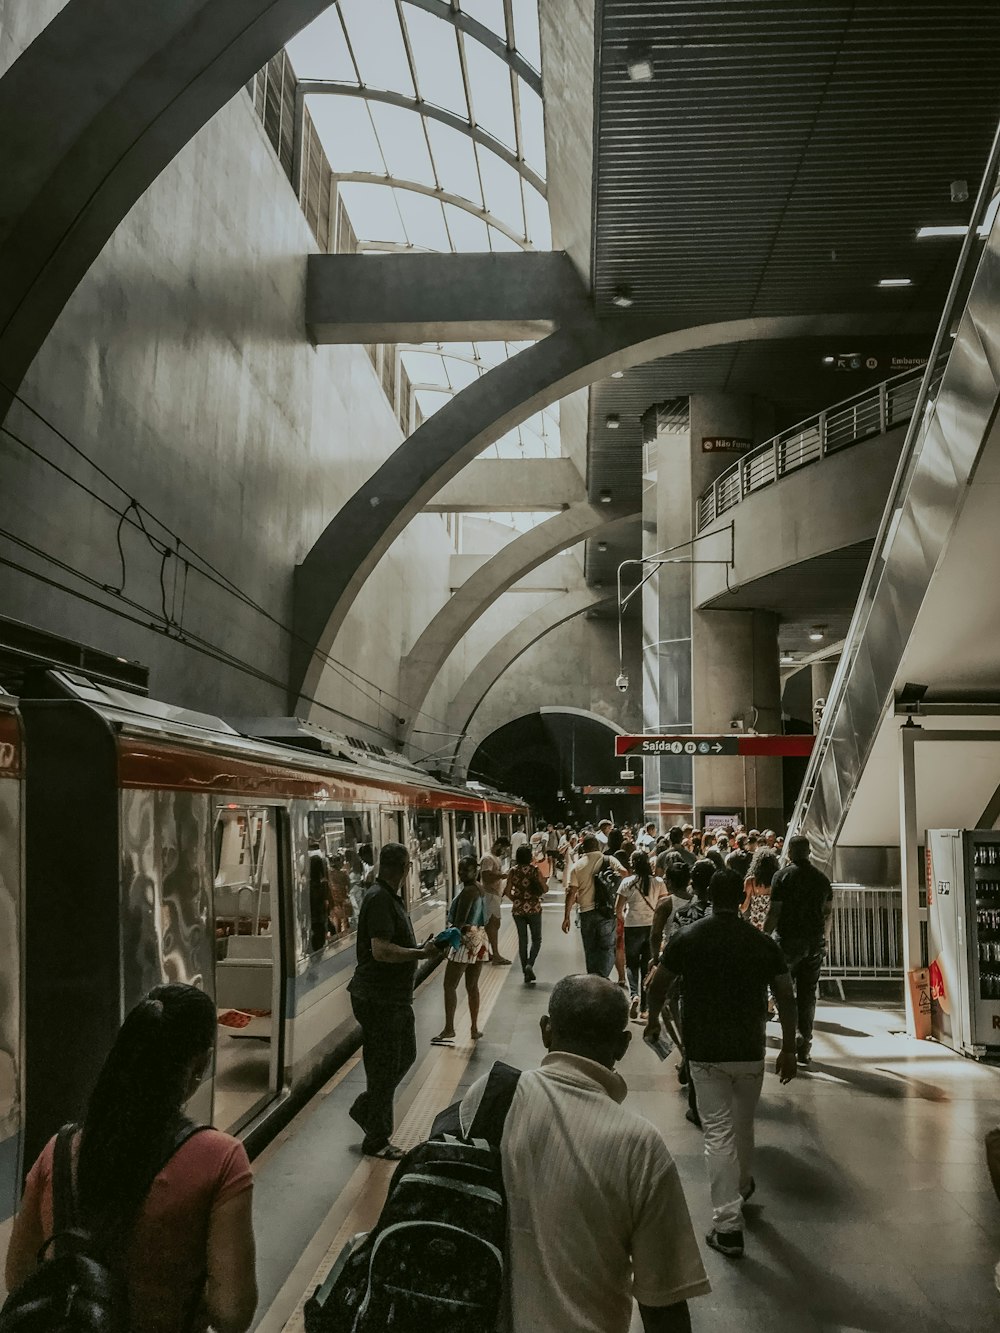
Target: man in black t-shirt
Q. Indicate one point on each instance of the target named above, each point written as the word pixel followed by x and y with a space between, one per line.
pixel 800 912
pixel 382 998
pixel 725 966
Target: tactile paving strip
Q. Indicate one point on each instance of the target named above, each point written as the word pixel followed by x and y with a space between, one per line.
pixel 438 1076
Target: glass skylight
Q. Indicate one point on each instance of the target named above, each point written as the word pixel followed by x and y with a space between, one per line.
pixel 430 112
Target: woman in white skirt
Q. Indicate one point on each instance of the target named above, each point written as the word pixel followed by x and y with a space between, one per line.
pixel 468 914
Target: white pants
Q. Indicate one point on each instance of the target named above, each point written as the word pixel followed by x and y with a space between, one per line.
pixel 728 1094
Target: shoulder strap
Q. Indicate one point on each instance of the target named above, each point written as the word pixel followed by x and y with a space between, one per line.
pixel 65 1215
pixel 496 1101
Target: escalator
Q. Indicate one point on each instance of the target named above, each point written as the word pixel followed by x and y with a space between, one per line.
pixel 951 449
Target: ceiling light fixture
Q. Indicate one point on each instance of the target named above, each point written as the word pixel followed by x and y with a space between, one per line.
pixel 602 546
pixel 895 282
pixel 622 297
pixel 787 659
pixel 605 497
pixel 639 63
pixel 618 374
pixel 829 360
pixel 612 421
pixel 817 633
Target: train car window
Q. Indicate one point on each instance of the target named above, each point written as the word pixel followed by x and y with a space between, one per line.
pixel 248 962
pixel 341 869
pixel 245 870
pixel 466 836
pixel 429 875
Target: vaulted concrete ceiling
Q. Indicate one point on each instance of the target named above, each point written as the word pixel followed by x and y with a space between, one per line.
pixel 780 159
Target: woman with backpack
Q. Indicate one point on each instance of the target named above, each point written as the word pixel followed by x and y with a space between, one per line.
pixel 166 1205
pixel 526 889
pixel 639 896
pixel 468 913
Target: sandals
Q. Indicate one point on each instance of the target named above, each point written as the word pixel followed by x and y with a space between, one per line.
pixel 442 1041
pixel 388 1153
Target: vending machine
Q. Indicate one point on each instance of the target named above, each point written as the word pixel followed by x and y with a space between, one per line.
pixel 963 938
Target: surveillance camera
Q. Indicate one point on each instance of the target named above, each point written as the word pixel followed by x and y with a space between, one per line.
pixel 622 682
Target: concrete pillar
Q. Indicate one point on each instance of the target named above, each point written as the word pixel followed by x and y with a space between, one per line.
pixel 702 671
pixel 822 674
pixel 737 679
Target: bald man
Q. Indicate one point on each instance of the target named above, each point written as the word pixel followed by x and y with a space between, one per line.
pixel 595 1209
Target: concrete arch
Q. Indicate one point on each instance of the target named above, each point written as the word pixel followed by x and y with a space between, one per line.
pixel 508 649
pixel 354 541
pixel 472 740
pixel 430 652
pixel 93 110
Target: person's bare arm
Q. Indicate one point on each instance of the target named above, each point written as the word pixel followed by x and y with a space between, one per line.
pixel 572 893
pixel 621 903
pixel 26 1239
pixel 772 918
pixel 786 1065
pixel 660 986
pixel 384 951
pixel 747 896
pixel 231 1281
pixel 666 1318
pixel 661 919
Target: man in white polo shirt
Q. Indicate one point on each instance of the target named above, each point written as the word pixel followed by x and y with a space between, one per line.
pixel 596 1213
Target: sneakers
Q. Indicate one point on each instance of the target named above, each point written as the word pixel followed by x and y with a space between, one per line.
pixel 747 1193
pixel 729 1243
pixel 633 1009
pixel 803 1051
pixel 529 976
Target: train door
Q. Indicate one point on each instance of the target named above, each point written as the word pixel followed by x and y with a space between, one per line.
pixel 250 885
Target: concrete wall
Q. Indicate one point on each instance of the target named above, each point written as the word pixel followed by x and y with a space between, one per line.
pixel 573 667
pixel 825 506
pixel 180 368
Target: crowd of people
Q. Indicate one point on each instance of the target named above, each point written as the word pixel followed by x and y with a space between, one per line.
pixel 704 934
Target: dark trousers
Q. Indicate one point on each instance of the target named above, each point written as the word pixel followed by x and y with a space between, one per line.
pixel 390 1049
pixel 805 962
pixel 637 955
pixel 598 942
pixel 529 925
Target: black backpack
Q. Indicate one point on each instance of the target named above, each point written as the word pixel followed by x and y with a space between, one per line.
pixel 606 882
pixel 435 1259
pixel 73 1290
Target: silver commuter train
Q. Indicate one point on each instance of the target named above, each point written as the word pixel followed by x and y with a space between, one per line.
pixel 141 843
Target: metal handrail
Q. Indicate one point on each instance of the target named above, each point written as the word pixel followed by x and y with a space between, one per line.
pixel 968 261
pixel 871 412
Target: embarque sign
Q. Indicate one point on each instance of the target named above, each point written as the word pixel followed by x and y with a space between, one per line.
pixel 739 744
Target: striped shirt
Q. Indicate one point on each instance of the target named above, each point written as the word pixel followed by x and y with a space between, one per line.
pixel 596 1213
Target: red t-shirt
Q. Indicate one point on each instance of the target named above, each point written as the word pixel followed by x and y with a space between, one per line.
pixel 168 1251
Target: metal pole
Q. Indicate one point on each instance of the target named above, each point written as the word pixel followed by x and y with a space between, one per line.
pixel 908 860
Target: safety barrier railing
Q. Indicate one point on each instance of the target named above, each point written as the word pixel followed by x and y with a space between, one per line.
pixel 866 936
pixel 866 414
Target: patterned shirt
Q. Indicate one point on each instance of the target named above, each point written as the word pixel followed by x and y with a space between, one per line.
pixel 526 888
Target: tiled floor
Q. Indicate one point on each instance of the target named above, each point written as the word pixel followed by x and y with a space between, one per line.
pixel 873 1210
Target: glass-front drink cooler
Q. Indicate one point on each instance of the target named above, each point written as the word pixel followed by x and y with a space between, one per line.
pixel 963 938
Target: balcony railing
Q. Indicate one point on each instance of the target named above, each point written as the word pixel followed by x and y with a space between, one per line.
pixel 869 413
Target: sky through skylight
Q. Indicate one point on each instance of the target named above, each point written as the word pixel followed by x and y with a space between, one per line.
pixel 430 113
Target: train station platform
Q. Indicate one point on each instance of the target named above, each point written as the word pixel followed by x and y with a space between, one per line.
pixel 873 1208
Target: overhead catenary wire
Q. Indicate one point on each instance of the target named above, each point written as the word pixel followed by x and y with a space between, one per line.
pixel 199 563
